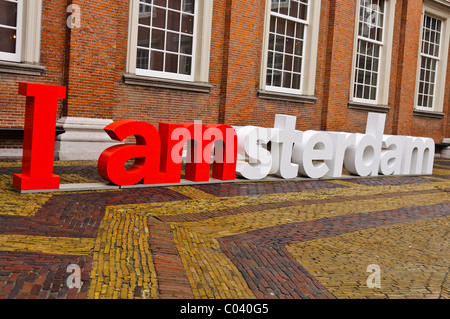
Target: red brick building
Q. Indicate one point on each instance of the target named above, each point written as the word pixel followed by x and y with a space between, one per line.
pixel 226 61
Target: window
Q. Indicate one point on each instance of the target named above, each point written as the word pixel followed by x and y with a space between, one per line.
pixel 11 12
pixel 372 53
pixel 429 60
pixel 433 56
pixel 168 39
pixel 290 46
pixel 370 41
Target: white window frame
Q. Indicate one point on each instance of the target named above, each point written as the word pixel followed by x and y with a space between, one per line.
pixel 441 11
pixel 310 47
pixel 200 51
pixel 17 56
pixel 384 66
pixel 29 20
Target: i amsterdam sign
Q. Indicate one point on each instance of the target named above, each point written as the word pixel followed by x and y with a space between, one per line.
pixel 157 154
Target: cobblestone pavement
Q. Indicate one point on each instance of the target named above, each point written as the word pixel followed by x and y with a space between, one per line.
pixel 308 239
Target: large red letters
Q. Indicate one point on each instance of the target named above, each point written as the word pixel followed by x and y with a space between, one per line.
pixel 39 137
pixel 153 162
pixel 158 155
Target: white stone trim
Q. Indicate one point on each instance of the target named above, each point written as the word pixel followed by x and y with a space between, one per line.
pixel 6 153
pixel 32 25
pixel 84 139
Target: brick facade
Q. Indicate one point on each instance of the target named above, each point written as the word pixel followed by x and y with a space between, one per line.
pixel 91 62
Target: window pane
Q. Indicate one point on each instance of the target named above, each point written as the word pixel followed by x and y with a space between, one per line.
pixel 173 40
pixel 145 14
pixel 187 24
pixel 296 81
pixel 278 64
pixel 157 61
pixel 189 6
pixel 269 78
pixel 186 44
pixel 297 65
pixel 171 63
pixel 276 78
pixel 7 40
pixel 173 20
pixel 287 80
pixel 185 65
pixel 175 4
pixel 289 48
pixel 290 29
pixel 158 39
pixel 144 37
pixel 161 3
pixel 270 60
pixel 293 10
pixel 159 18
pixel 142 59
pixel 288 62
pixel 8 13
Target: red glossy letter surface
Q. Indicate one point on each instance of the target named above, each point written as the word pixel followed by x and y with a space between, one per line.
pixel 39 137
pixel 147 152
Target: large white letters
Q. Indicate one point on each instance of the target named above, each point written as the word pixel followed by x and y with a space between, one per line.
pixel 281 146
pixel 317 154
pixel 251 140
pixel 364 157
pixel 311 153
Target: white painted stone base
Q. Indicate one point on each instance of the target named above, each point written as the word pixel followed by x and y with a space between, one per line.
pixel 445 153
pixel 84 139
pixel 6 153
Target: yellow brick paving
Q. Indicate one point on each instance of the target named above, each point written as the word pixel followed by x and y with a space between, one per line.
pixel 191 192
pixel 122 260
pixel 203 205
pixel 47 245
pixel 208 268
pixel 123 265
pixel 14 203
pixel 203 259
pixel 411 266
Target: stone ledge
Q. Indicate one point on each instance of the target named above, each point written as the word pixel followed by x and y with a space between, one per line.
pixel 430 114
pixel 199 87
pixel 368 107
pixel 304 99
pixel 21 68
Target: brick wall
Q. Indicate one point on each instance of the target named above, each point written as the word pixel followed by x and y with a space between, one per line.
pixel 91 62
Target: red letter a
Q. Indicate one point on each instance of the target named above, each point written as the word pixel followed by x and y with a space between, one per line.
pixel 39 137
pixel 146 152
